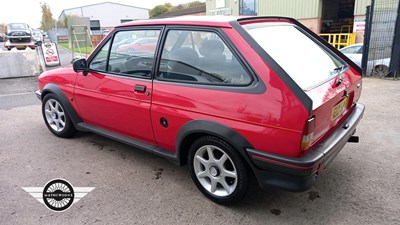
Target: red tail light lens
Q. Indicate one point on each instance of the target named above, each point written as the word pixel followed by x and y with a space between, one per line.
pixel 308 134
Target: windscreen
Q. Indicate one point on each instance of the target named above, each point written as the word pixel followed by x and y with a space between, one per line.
pixel 306 61
pixel 18 26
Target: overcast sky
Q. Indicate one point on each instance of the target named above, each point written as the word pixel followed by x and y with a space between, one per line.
pixel 29 11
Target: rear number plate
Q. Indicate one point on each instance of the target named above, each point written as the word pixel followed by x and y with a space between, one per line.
pixel 339 108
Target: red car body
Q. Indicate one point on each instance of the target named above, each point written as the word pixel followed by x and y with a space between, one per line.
pixel 285 135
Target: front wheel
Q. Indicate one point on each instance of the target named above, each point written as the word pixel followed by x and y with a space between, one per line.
pixel 56 118
pixel 218 171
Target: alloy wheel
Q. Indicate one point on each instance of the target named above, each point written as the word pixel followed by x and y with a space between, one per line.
pixel 55 115
pixel 215 171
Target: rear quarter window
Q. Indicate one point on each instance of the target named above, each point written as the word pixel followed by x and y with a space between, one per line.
pixel 200 57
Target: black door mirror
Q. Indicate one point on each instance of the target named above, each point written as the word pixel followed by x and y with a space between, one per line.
pixel 80 65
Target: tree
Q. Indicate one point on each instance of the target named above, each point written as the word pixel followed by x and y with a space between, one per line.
pixel 3 28
pixel 67 18
pixel 189 5
pixel 47 17
pixel 195 4
pixel 60 24
pixel 160 9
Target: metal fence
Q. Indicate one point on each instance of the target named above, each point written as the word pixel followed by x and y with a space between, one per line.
pixel 381 37
pixel 56 35
pixel 339 40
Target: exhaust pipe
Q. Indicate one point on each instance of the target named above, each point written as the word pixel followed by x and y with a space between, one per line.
pixel 354 139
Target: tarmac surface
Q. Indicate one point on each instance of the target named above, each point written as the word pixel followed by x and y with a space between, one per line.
pixel 361 186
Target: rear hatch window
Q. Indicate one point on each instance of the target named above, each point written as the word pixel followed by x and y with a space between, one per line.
pixel 307 62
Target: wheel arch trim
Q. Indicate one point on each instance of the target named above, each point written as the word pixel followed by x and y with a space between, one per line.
pixel 52 88
pixel 212 128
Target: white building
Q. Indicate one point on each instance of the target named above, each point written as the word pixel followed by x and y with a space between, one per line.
pixel 107 14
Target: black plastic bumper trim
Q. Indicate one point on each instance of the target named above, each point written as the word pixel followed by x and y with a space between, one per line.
pixel 310 164
pixel 38 94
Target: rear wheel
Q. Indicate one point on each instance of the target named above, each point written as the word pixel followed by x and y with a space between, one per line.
pixel 218 170
pixel 56 118
pixel 381 71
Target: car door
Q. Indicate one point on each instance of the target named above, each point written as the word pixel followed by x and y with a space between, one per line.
pixel 116 92
pixel 199 78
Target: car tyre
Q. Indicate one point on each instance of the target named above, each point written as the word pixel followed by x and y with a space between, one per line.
pixel 381 70
pixel 56 117
pixel 217 170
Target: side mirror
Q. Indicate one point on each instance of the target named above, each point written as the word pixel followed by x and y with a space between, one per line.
pixel 80 65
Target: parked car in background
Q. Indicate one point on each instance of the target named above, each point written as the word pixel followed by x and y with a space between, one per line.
pixel 124 41
pixel 379 67
pixel 105 32
pixel 38 37
pixel 19 32
pixel 2 37
pixel 139 45
pixel 230 97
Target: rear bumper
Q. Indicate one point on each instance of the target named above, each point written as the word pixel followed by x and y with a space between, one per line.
pixel 19 37
pixel 299 174
pixel 19 44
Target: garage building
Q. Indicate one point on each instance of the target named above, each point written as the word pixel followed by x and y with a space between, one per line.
pixel 106 15
pixel 321 16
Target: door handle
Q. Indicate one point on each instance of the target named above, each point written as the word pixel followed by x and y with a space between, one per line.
pixel 140 88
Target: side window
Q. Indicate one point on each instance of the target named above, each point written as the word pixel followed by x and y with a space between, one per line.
pixel 132 53
pixel 99 62
pixel 200 57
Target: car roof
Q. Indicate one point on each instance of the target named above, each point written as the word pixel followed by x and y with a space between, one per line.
pixel 358 44
pixel 18 24
pixel 218 21
pixel 349 46
pixel 213 21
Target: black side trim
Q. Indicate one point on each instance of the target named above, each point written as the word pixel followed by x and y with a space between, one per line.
pixel 130 141
pixel 54 89
pixel 301 95
pixel 258 88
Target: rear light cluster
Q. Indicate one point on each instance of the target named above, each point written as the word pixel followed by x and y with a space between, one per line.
pixel 308 134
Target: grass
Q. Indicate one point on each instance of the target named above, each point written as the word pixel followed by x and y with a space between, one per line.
pixel 83 50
